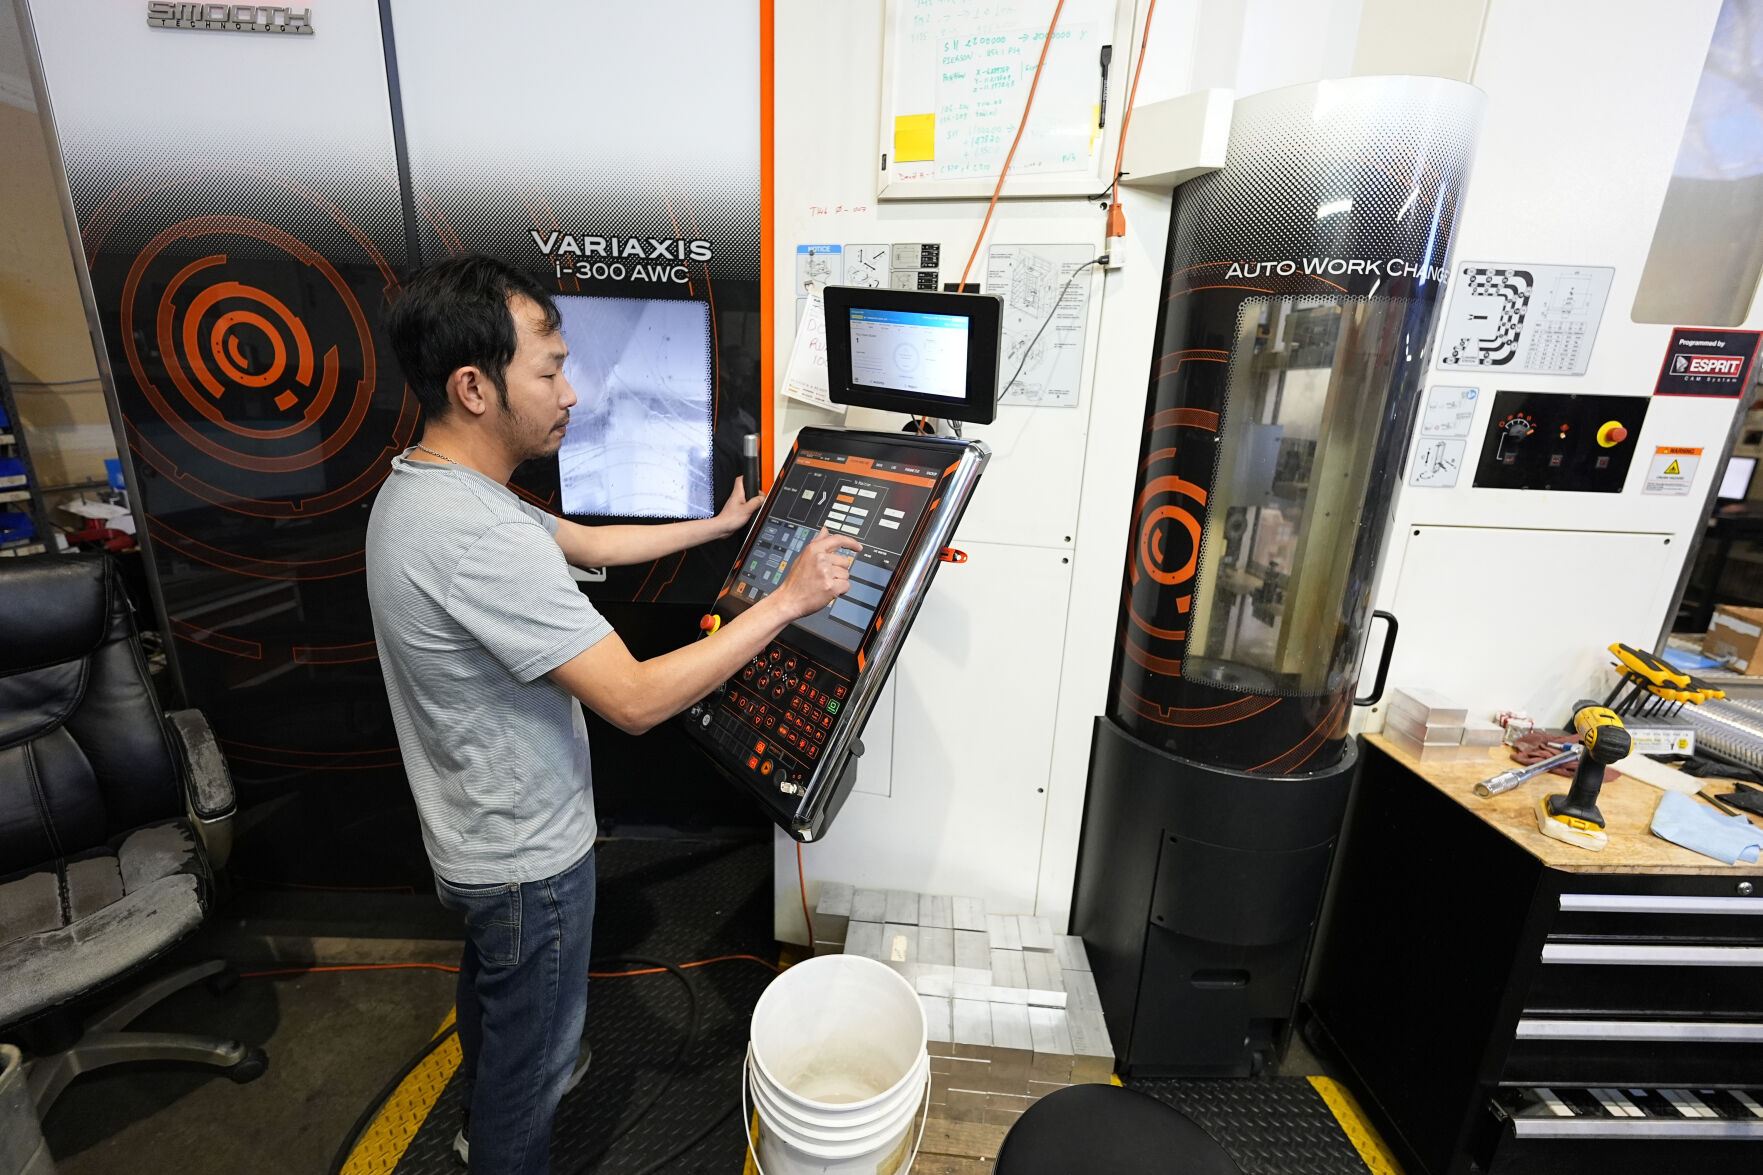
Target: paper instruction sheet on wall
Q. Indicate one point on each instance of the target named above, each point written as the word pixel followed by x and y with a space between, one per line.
pixel 1521 318
pixel 805 379
pixel 1438 454
pixel 867 265
pixel 1449 412
pixel 1437 462
pixel 824 264
pixel 1046 293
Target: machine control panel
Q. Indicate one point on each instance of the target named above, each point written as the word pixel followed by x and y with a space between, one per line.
pixel 786 727
pixel 771 721
pixel 1551 441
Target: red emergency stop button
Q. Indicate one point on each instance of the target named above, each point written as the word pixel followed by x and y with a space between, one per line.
pixel 710 623
pixel 1611 434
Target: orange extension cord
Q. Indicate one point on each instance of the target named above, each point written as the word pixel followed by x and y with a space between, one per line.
pixel 1026 107
pixel 454 970
pixel 1117 218
pixel 802 888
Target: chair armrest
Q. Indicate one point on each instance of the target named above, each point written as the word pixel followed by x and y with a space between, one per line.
pixel 210 783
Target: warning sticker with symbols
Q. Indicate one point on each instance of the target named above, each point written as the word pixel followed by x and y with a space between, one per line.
pixel 1671 471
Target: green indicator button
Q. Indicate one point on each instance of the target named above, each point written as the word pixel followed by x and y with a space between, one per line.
pixel 832 707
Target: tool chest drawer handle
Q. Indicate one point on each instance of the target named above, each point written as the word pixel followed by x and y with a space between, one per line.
pixel 1652 956
pixel 1697 1031
pixel 1622 903
pixel 1634 1128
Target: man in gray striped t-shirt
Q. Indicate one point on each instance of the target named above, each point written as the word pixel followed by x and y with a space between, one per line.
pixel 489 650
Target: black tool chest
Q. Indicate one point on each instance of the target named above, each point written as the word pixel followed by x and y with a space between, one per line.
pixel 1496 1014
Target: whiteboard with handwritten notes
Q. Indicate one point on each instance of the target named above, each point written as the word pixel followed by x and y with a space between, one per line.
pixel 955 77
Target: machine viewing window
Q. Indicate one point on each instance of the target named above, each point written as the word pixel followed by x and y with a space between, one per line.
pixel 878 503
pixel 638 444
pixel 1707 254
pixel 913 351
pixel 1278 596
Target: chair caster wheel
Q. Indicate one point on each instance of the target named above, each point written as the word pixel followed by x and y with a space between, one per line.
pixel 222 982
pixel 251 1068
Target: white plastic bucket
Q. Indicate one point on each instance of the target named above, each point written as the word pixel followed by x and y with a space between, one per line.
pixel 838 1068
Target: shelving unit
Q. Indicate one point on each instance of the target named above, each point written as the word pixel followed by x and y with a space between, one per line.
pixel 19 499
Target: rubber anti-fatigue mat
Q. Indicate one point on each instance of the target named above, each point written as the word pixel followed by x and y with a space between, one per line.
pixel 676 901
pixel 1270 1126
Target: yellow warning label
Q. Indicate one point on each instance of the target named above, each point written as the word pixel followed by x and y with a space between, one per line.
pixel 1673 471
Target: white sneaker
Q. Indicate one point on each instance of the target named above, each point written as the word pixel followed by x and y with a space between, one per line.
pixel 581 1068
pixel 462 1144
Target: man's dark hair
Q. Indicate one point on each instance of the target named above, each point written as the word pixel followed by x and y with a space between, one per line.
pixel 455 313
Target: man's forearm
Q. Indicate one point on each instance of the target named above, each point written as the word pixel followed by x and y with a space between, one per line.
pixel 621 546
pixel 635 695
pixel 673 681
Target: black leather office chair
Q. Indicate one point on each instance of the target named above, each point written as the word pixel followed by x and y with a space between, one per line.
pixel 112 817
pixel 1107 1128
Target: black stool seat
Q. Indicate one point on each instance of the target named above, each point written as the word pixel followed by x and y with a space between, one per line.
pixel 1107 1128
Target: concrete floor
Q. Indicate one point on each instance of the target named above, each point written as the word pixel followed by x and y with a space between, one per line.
pixel 1299 1061
pixel 333 1041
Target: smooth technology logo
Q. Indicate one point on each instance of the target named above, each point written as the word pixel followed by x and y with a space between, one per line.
pixel 230 18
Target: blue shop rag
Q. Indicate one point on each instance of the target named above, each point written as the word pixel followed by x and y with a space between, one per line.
pixel 1728 839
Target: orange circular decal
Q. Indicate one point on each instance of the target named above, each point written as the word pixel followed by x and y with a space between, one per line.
pixel 1154 555
pixel 246 372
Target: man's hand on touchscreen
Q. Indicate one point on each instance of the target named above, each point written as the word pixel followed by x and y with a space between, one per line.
pixel 820 575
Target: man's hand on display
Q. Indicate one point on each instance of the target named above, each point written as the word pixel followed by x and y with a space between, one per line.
pixel 738 510
pixel 820 575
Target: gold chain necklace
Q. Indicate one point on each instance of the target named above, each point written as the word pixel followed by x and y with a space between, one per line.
pixel 432 453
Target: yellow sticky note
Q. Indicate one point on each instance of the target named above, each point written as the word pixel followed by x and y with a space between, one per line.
pixel 915 138
pixel 1095 125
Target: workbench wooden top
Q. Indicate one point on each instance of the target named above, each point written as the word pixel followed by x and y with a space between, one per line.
pixel 1627 805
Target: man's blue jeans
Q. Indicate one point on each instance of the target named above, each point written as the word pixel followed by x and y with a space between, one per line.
pixel 523 998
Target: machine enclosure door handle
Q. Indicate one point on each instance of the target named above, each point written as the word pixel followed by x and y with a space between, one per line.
pixel 1383 661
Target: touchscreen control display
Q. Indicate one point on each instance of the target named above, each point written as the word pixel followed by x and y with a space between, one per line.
pixel 878 503
pixel 786 726
pixel 906 351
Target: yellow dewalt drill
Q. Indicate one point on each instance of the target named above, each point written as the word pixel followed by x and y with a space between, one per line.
pixel 1574 818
